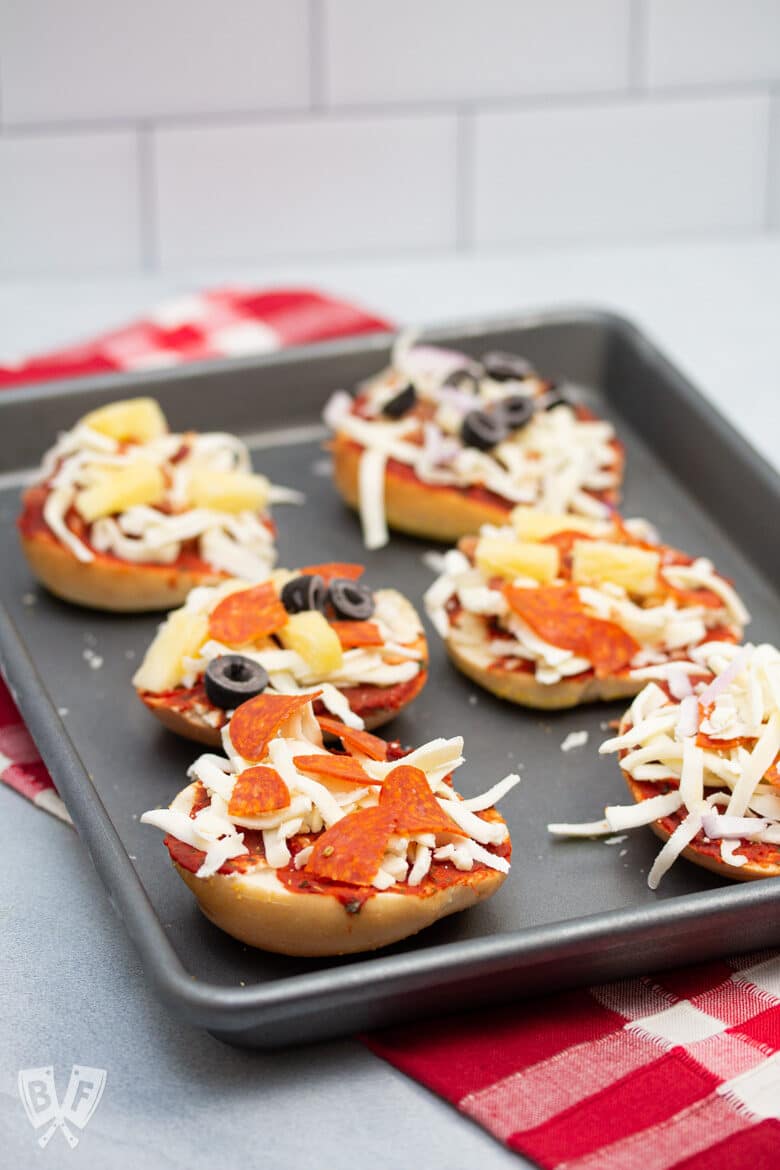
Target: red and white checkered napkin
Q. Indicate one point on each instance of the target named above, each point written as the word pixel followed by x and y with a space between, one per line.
pixel 682 1071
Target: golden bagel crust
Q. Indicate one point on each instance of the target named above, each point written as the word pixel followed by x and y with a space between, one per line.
pixel 436 513
pixel 110 584
pixel 192 725
pixel 257 909
pixel 749 872
pixel 522 688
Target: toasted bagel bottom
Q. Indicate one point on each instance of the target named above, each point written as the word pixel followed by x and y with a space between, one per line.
pixel 522 688
pixel 110 584
pixel 751 871
pixel 257 909
pixel 434 512
pixel 192 725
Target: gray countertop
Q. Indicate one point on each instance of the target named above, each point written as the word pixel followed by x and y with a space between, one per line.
pixel 72 990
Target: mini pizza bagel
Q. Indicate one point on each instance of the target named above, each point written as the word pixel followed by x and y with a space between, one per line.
pixel 127 516
pixel 321 626
pixel 551 611
pixel 439 444
pixel 699 751
pixel 293 848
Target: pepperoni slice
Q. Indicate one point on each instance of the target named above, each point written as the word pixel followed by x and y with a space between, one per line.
pixel 352 634
pixel 335 569
pixel 245 616
pixel 354 740
pixel 257 791
pixel 557 615
pixel 256 722
pixel 345 768
pixel 353 848
pixel 407 796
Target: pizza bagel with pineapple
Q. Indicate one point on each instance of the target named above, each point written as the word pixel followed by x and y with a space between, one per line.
pixel 552 611
pixel 293 848
pixel 126 515
pixel 319 626
pixel 440 443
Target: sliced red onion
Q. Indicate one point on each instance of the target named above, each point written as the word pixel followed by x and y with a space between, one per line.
pixel 716 825
pixel 452 396
pixel 726 677
pixel 439 449
pixel 430 359
pixel 688 720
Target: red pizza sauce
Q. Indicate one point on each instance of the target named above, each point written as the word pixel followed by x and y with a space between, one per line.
pixel 441 875
pixel 31 523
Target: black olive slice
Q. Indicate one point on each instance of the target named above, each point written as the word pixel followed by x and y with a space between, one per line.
pixel 351 600
pixel 517 411
pixel 305 592
pixel 466 378
pixel 231 679
pixel 483 429
pixel 506 367
pixel 556 397
pixel 398 405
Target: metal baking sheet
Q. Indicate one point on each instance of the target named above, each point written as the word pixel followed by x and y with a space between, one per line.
pixel 570 912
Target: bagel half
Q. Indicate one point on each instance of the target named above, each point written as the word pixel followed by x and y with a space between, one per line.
pixel 108 583
pixel 188 712
pixel 699 853
pixel 191 724
pixel 434 512
pixel 257 909
pixel 521 687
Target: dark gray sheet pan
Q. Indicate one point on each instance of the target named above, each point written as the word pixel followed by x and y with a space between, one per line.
pixel 571 912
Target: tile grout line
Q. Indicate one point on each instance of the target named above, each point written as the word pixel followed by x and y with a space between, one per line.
pixel 147 198
pixel 383 111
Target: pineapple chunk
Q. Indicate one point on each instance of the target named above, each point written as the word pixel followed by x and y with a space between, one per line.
pixel 531 524
pixel 228 491
pixel 497 557
pixel 137 419
pixel 309 634
pixel 115 489
pixel 597 561
pixel 179 637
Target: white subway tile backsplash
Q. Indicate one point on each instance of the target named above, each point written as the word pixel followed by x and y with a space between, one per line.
pixel 711 41
pixel 296 187
pixel 404 50
pixel 68 203
pixel 617 171
pixel 94 59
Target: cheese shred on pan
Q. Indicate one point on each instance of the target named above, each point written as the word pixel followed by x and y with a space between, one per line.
pixel 715 752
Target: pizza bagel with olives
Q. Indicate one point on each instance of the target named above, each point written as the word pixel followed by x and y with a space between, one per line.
pixel 441 443
pixel 321 626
